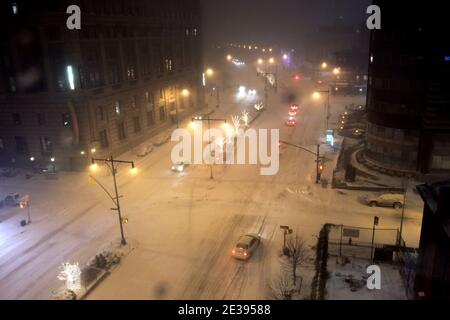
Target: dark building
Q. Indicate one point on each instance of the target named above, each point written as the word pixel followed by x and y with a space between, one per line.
pixel 408 101
pixel 432 279
pixel 103 89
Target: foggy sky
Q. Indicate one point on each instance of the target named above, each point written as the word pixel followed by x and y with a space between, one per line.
pixel 275 21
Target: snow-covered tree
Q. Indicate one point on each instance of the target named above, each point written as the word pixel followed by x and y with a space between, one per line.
pixel 71 274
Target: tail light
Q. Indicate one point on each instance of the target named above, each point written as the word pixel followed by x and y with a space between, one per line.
pixel 245 254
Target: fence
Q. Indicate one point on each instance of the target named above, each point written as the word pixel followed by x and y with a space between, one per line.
pixel 356 242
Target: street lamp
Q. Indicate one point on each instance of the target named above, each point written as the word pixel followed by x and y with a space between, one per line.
pixel 336 71
pixel 316 96
pixel 260 61
pixel 285 56
pixel 229 57
pixel 113 163
pixel 209 72
pixel 271 60
pixel 324 65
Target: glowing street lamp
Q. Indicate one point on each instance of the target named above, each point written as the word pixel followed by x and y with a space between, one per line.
pixel 285 56
pixel 260 61
pixel 185 92
pixel 324 65
pixel 336 71
pixel 209 72
pixel 271 60
pixel 229 57
pixel 316 95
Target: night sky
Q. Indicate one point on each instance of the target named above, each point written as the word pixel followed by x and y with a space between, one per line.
pixel 276 22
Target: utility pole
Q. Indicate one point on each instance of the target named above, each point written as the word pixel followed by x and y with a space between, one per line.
pixel 375 223
pixel 405 186
pixel 112 163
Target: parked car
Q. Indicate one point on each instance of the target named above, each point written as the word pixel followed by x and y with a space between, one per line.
pixel 179 166
pixel 246 246
pixel 144 150
pixel 385 200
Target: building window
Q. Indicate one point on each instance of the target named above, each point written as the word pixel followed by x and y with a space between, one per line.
pixel 121 131
pixel 66 120
pixel 117 107
pixel 150 118
pixel 133 102
pixel 46 146
pixel 162 113
pixel 100 115
pixel 150 98
pixel 41 119
pixel 136 124
pixel 21 146
pixel 16 119
pixel 103 139
pixel 169 65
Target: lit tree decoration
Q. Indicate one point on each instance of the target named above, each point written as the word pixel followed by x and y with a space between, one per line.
pixel 236 122
pixel 244 117
pixel 71 274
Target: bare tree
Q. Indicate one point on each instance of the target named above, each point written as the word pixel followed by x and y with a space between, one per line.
pixel 298 254
pixel 282 286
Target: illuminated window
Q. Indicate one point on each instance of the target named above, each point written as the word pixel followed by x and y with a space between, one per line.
pixel 117 107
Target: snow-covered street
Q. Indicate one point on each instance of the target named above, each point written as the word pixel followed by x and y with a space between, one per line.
pixel 183 226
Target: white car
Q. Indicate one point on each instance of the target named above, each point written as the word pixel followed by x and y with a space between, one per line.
pixel 246 246
pixel 386 200
pixel 179 166
pixel 144 150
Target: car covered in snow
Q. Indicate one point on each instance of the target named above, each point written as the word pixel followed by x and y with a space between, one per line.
pixel 144 150
pixel 246 246
pixel 385 200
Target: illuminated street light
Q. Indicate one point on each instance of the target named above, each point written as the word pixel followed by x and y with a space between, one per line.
pixel 229 57
pixel 260 61
pixel 324 65
pixel 263 50
pixel 185 92
pixel 209 72
pixel 316 95
pixel 271 60
pixel 270 49
pixel 285 56
pixel 336 71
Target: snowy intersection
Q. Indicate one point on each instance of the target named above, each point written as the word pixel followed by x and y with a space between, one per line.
pixel 183 225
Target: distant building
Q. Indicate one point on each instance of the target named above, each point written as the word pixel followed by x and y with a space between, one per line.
pixel 105 88
pixel 408 101
pixel 433 271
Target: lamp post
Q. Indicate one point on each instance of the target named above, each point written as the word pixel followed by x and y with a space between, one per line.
pixel 113 163
pixel 209 119
pixel 316 95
